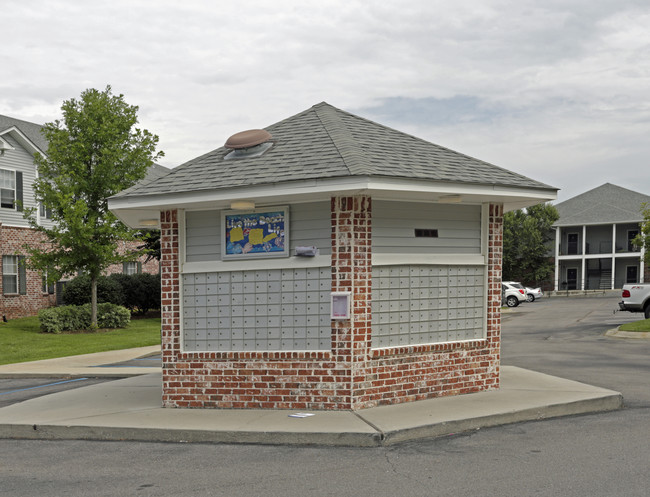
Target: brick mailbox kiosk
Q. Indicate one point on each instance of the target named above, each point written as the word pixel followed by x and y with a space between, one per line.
pixel 328 262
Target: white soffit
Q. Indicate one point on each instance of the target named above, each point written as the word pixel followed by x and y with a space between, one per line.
pixel 132 209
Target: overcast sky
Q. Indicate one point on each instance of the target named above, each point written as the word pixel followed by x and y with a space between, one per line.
pixel 558 90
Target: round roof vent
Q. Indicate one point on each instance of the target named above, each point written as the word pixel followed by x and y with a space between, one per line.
pixel 247 139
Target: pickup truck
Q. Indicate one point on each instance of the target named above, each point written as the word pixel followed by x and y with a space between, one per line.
pixel 636 298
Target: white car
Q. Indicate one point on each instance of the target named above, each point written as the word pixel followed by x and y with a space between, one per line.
pixel 512 293
pixel 533 294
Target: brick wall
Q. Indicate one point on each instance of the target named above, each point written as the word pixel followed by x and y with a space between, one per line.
pixel 290 380
pixel 151 266
pixel 403 374
pixel 12 242
pixel 352 375
pixel 14 306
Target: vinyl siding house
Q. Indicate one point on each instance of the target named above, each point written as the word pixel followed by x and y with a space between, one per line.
pixel 334 263
pixel 593 248
pixel 23 291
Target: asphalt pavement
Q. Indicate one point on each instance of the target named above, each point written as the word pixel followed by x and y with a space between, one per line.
pixel 130 408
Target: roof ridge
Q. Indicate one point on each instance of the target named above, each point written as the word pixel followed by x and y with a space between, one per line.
pixel 341 137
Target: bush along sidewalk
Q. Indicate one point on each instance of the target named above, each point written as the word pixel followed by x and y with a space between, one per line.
pixel 139 293
pixel 77 317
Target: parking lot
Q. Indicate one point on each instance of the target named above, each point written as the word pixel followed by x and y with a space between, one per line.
pixel 566 337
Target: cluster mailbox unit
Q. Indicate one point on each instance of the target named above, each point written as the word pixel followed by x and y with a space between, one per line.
pixel 329 262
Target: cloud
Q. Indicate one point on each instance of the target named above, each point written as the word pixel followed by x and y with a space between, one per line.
pixel 542 87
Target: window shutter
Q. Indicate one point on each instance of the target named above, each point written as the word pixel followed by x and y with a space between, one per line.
pixel 19 191
pixel 139 267
pixel 22 276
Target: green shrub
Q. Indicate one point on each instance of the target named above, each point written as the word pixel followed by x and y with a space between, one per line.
pixel 148 296
pixel 141 291
pixel 78 317
pixel 112 316
pixel 77 291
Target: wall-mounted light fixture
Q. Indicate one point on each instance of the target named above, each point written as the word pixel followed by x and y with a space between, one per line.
pixel 148 222
pixel 242 205
pixel 450 199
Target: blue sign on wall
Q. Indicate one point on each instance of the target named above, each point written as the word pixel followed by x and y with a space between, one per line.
pixel 256 234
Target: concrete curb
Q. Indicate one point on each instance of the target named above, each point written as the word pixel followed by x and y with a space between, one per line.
pixel 129 409
pixel 345 439
pixel 592 406
pixel 115 434
pixel 635 335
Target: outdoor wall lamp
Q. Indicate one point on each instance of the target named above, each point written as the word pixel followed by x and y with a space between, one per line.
pixel 148 222
pixel 242 205
pixel 450 199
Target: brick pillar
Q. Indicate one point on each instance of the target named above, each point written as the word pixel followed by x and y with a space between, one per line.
pixel 351 272
pixel 170 297
pixel 495 254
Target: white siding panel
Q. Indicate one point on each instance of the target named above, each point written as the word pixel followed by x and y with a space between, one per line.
pixel 203 239
pixel 23 161
pixel 310 225
pixel 394 224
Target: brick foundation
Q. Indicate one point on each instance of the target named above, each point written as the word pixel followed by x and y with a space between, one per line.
pixel 350 376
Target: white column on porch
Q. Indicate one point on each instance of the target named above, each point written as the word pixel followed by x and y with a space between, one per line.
pixel 642 265
pixel 584 252
pixel 613 256
pixel 558 234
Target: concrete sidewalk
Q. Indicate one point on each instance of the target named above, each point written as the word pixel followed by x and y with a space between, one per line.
pixel 129 409
pixel 112 364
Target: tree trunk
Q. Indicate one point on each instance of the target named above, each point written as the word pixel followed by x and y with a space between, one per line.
pixel 93 302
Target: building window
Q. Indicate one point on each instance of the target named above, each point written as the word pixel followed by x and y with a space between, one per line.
pixel 132 267
pixel 9 274
pixel 14 275
pixel 47 287
pixel 7 188
pixel 44 213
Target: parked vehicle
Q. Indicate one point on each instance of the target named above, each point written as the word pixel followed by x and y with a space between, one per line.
pixel 512 293
pixel 636 298
pixel 533 294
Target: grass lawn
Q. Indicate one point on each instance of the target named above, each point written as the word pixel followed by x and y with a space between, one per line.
pixel 21 340
pixel 643 325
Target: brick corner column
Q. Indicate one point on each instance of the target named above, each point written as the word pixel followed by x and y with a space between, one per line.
pixel 170 296
pixel 495 258
pixel 352 272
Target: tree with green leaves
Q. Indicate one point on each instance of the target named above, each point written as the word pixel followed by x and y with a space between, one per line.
pixel 642 240
pixel 526 244
pixel 94 152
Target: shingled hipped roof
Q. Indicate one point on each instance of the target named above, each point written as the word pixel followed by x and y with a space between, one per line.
pixel 326 142
pixel 606 204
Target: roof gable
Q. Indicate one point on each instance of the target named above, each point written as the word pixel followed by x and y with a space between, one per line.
pixel 605 204
pixel 29 134
pixel 326 142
